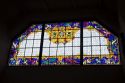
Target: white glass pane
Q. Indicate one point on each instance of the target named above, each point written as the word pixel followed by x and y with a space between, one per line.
pixel 46 43
pixel 68 50
pixel 46 35
pixel 86 50
pixel 60 44
pixel 29 43
pixel 37 35
pixel 95 41
pixel 86 41
pixel 95 50
pixel 76 50
pixel 35 51
pixel 94 32
pixel 53 51
pixel 104 50
pixel 86 33
pixel 31 35
pixel 21 52
pixel 60 51
pixel 104 41
pixel 53 44
pixel 28 51
pixel 77 34
pixel 45 52
pixel 36 43
pixel 22 44
pixel 69 43
pixel 76 42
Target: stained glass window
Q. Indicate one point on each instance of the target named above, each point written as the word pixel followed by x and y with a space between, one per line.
pixel 67 43
pixel 61 43
pixel 25 49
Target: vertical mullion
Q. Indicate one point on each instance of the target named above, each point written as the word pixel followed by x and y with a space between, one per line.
pixel 50 44
pixel 32 46
pixel 25 46
pixel 64 44
pixel 91 43
pixel 17 53
pixel 41 44
pixel 109 51
pixel 100 46
pixel 57 45
pixel 72 47
pixel 56 51
pixel 81 43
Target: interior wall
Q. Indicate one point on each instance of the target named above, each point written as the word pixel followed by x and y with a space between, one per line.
pixel 4 44
pixel 62 74
pixel 121 17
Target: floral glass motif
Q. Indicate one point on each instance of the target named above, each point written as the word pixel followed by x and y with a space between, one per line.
pixel 61 44
pixel 25 48
pixel 99 45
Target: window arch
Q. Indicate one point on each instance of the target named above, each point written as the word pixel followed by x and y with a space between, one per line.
pixel 68 43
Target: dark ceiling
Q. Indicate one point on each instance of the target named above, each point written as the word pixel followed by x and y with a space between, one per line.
pixel 13 8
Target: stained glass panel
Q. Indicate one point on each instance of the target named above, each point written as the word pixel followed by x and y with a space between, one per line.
pixel 61 44
pixel 24 51
pixel 102 45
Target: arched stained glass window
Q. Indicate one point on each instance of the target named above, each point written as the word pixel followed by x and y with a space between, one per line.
pixel 68 43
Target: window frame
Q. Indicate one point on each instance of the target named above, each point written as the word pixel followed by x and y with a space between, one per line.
pixel 81 40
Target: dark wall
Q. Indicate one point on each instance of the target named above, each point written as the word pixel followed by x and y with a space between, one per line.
pixel 4 44
pixel 62 74
pixel 89 74
pixel 121 14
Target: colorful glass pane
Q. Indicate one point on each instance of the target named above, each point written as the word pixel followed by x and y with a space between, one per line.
pixel 25 49
pixel 61 44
